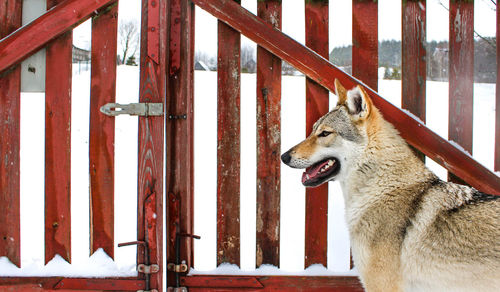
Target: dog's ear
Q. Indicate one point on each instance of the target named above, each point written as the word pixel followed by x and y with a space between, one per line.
pixel 359 103
pixel 340 92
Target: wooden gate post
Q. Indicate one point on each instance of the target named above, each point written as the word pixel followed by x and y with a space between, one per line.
pixel 179 131
pixel 153 62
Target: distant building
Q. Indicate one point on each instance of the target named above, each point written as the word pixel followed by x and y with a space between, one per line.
pixel 249 67
pixel 80 55
pixel 200 65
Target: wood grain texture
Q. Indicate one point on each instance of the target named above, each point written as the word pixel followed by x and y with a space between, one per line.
pixel 271 283
pixel 461 75
pixel 58 145
pixel 179 132
pixel 228 145
pixel 268 144
pixel 316 225
pixel 151 138
pixel 10 116
pixel 365 41
pixel 102 130
pixel 414 59
pixel 33 36
pixel 323 72
pixel 414 62
pixel 69 284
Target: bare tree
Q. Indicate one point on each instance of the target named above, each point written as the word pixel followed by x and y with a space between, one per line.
pixel 129 38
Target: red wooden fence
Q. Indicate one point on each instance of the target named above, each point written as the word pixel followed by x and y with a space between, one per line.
pixel 53 30
pixel 167 52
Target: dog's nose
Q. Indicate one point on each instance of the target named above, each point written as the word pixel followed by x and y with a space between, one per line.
pixel 286 157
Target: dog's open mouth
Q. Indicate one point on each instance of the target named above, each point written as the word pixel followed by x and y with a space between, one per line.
pixel 320 172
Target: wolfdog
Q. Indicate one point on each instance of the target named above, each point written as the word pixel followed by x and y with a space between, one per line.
pixel 409 230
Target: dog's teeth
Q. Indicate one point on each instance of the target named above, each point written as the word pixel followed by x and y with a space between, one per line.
pixel 307 176
pixel 330 162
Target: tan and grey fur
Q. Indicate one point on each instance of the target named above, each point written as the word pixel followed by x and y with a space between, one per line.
pixel 409 230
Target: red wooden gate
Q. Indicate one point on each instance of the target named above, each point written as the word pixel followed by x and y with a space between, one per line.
pixel 263 29
pixel 53 30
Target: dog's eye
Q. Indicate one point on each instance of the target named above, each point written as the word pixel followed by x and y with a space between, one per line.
pixel 324 134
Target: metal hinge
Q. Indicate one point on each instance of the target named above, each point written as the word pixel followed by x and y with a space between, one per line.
pixel 180 268
pixel 142 109
pixel 151 269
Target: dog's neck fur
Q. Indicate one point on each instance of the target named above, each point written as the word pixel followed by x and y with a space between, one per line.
pixel 387 166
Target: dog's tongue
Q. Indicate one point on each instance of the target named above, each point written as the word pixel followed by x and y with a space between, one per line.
pixel 313 171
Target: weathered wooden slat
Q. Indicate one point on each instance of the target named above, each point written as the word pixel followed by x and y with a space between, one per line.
pixel 228 145
pixel 316 225
pixel 414 62
pixel 271 283
pixel 31 37
pixel 102 129
pixel 497 111
pixel 150 163
pixel 268 144
pixel 58 145
pixel 179 131
pixel 365 41
pixel 10 116
pixel 461 75
pixel 323 72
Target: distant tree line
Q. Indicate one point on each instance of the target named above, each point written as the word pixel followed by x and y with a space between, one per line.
pixel 437 59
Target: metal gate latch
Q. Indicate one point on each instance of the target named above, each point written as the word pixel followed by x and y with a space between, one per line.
pixel 142 268
pixel 142 109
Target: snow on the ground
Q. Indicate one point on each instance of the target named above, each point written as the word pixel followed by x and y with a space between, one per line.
pixel 313 270
pixel 32 185
pixel 292 192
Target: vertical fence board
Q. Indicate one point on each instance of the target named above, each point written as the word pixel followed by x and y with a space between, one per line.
pixel 316 225
pixel 228 145
pixel 365 41
pixel 102 129
pixel 179 131
pixel 497 108
pixel 58 146
pixel 268 143
pixel 150 162
pixel 414 60
pixel 461 73
pixel 10 115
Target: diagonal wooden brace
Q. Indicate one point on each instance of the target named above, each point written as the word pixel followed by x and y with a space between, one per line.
pixel 30 38
pixel 319 69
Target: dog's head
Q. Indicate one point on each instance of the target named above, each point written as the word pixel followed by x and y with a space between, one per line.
pixel 336 141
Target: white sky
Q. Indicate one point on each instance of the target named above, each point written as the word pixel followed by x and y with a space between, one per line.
pixel 340 21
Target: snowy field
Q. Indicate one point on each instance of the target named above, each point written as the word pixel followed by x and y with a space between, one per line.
pixel 292 199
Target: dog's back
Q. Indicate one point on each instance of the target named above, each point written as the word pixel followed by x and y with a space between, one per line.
pixel 452 243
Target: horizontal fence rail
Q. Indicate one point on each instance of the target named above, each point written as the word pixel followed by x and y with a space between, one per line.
pixel 323 72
